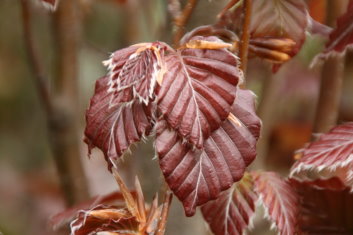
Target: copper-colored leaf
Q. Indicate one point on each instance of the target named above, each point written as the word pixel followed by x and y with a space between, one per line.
pixel 232 211
pixel 330 156
pixel 199 175
pixel 341 38
pixel 114 128
pixel 198 90
pixel 279 199
pixel 133 72
pixel 279 19
pixel 66 216
pixel 105 219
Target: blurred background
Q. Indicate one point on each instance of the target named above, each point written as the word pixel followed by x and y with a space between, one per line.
pixel 71 45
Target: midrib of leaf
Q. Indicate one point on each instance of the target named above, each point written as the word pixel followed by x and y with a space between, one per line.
pixel 228 206
pixel 281 203
pixel 112 136
pixel 192 92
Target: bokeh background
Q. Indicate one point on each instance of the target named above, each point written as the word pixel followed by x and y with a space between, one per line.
pixel 30 192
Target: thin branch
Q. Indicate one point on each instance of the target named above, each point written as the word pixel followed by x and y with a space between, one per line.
pixel 331 81
pixel 164 215
pixel 34 60
pixel 181 21
pixel 57 139
pixel 245 37
pixel 229 5
pixel 330 94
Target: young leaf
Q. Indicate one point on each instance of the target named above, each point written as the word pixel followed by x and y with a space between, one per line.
pixel 63 218
pixel 105 219
pixel 331 155
pixel 199 175
pixel 232 211
pixel 134 71
pixel 279 199
pixel 114 128
pixel 285 19
pixel 198 90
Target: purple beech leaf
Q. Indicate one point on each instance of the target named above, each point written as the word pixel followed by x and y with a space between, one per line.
pixel 114 128
pixel 279 199
pixel 330 156
pixel 198 90
pixel 199 175
pixel 231 213
pixel 134 71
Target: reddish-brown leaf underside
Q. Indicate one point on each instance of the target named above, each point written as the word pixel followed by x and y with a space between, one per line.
pixel 279 199
pixel 232 211
pixel 330 156
pixel 199 175
pixel 114 128
pixel 324 211
pixel 198 90
pixel 341 37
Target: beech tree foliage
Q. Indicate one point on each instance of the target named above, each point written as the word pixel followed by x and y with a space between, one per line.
pixel 192 100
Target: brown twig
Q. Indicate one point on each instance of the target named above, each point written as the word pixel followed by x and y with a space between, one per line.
pixel 34 60
pixel 331 81
pixel 229 5
pixel 65 152
pixel 245 37
pixel 330 94
pixel 164 215
pixel 181 21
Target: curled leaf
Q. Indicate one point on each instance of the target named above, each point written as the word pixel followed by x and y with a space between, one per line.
pixel 104 219
pixel 199 175
pixel 282 19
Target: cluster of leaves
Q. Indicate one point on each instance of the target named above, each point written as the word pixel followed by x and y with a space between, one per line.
pixel 204 139
pixel 206 128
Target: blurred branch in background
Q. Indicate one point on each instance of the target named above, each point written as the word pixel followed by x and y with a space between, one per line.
pixel 331 79
pixel 180 18
pixel 60 106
